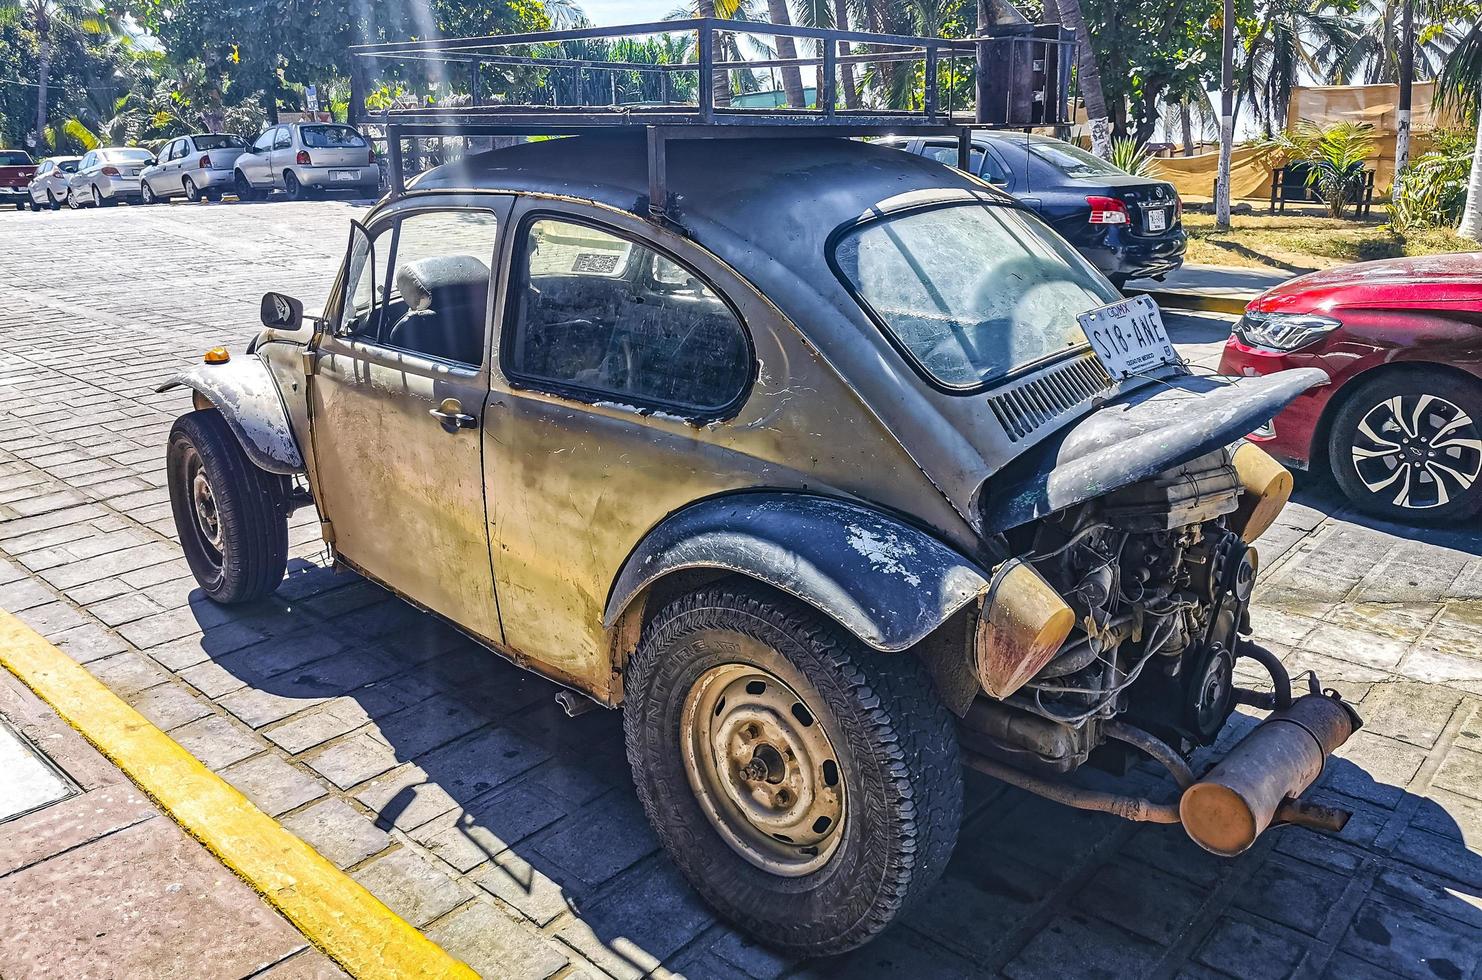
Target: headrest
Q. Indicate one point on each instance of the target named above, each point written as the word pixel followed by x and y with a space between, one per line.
pixel 418 282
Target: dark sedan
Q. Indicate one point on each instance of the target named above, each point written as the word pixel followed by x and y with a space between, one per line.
pixel 1400 424
pixel 1129 227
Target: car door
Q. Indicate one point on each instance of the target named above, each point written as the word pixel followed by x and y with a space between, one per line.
pixel 397 395
pixel 281 154
pixel 79 181
pixel 254 163
pixel 614 333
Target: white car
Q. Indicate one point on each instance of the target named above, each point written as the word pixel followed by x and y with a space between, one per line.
pixel 198 166
pixel 304 158
pixel 105 177
pixel 49 187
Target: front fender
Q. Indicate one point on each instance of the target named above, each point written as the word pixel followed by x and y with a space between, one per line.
pixel 886 582
pixel 247 397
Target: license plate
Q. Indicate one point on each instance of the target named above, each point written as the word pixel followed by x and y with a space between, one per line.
pixel 1157 220
pixel 1128 337
pixel 343 175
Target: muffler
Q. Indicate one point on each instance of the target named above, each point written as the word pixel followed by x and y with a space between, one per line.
pixel 1261 777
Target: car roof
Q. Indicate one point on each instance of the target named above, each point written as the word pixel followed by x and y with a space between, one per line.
pixel 772 192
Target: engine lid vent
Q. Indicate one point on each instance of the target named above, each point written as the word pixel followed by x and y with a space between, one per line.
pixel 1036 401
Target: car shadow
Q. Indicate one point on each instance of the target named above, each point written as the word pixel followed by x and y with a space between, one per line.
pixel 481 783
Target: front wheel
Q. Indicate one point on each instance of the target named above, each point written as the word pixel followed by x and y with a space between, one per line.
pixel 1408 446
pixel 231 516
pixel 146 194
pixel 809 788
pixel 245 191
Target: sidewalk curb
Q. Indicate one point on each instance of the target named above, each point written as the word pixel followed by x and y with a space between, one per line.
pixel 1178 299
pixel 332 910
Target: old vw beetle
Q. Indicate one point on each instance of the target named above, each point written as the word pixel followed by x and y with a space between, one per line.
pixel 818 478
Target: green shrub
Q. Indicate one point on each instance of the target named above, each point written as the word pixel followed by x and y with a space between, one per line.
pixel 1133 157
pixel 1433 189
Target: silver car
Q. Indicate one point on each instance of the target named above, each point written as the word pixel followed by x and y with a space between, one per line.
pixel 105 177
pixel 305 158
pixel 49 187
pixel 201 165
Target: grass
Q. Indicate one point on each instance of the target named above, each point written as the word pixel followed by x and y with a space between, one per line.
pixel 1302 242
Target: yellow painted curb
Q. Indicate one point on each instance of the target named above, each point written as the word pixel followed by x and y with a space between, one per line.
pixel 331 909
pixel 1178 299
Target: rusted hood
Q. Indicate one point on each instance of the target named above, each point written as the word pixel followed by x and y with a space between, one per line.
pixel 1135 437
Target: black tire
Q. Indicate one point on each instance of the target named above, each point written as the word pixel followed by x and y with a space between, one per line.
pixel 250 553
pixel 292 187
pixel 146 193
pixel 100 201
pixel 192 194
pixel 897 762
pixel 1434 472
pixel 245 190
pixel 51 201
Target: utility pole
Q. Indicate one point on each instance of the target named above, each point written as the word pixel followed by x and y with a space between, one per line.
pixel 1407 77
pixel 1227 117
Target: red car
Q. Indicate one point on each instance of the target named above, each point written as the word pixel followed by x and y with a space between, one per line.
pixel 1400 426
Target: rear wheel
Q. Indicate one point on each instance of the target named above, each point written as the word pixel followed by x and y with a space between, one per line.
pixel 191 193
pixel 51 200
pixel 292 187
pixel 1408 446
pixel 231 515
pixel 809 788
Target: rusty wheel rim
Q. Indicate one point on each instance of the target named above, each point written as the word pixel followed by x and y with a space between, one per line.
pixel 206 516
pixel 763 769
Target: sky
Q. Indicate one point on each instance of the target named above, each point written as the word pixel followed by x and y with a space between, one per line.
pixel 605 13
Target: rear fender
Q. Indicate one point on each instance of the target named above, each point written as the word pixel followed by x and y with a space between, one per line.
pixel 886 582
pixel 246 395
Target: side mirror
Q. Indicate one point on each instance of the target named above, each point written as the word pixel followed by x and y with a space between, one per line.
pixel 281 312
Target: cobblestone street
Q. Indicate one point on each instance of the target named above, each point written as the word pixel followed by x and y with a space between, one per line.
pixel 453 786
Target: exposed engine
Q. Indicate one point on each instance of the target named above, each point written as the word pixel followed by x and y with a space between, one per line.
pixel 1158 581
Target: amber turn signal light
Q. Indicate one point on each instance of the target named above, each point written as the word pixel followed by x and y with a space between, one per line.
pixel 217 355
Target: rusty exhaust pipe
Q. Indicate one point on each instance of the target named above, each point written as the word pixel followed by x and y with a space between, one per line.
pixel 1260 778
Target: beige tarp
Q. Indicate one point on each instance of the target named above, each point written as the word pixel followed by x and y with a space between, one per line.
pixel 1250 175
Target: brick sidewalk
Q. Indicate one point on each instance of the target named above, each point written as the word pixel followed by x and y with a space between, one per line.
pixel 101 884
pixel 453 787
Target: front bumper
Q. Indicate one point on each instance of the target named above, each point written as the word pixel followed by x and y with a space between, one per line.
pixel 327 179
pixel 1289 435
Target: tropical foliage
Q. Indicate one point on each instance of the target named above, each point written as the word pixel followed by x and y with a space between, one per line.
pixel 1431 192
pixel 1334 157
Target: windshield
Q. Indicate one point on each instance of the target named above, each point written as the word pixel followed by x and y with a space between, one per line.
pixel 1072 161
pixel 14 158
pixel 972 291
pixel 218 141
pixel 325 137
pixel 126 156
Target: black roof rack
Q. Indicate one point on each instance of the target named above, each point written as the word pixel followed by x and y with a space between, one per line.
pixel 1022 74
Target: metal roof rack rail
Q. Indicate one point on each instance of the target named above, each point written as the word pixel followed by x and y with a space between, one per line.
pixel 1020 79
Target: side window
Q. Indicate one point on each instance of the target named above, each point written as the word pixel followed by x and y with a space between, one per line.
pixel 284 139
pixel 177 150
pixel 994 171
pixel 947 153
pixel 264 142
pixel 611 317
pixel 435 300
pixel 87 161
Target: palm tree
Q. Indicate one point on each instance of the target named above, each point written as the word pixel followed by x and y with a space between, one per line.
pixel 1471 212
pixel 1374 56
pixel 1294 36
pixel 49 20
pixel 1088 77
pixel 1460 85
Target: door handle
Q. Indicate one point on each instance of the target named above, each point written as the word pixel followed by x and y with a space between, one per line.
pixel 451 414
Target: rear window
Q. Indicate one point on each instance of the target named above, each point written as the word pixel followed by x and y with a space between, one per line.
pixel 14 158
pixel 219 141
pixel 68 166
pixel 971 291
pixel 330 137
pixel 1072 161
pixel 127 156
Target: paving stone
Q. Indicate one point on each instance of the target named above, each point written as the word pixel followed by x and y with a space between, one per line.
pixel 411 886
pixel 1141 900
pixel 307 965
pixel 1080 946
pixel 405 798
pixel 128 673
pixel 525 887
pixel 1291 894
pixel 257 708
pixel 485 827
pixel 1444 855
pixel 216 741
pixel 338 831
pixel 1461 773
pixel 88 642
pixel 1414 713
pixel 274 785
pixel 605 838
pixel 1373 768
pixel 1410 941
pixel 1240 949
pixel 496 945
pixel 168 705
pixel 327 721
pixel 24 594
pixel 632 929
pixel 351 760
pixel 51 618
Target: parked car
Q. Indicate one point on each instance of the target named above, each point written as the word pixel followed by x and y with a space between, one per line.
pixel 1129 227
pixel 819 479
pixel 105 177
pixel 201 165
pixel 1399 423
pixel 16 170
pixel 305 158
pixel 49 187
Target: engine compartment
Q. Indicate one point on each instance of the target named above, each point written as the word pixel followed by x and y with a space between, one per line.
pixel 1159 581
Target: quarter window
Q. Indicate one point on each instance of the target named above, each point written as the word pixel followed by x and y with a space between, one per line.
pixel 601 314
pixel 435 301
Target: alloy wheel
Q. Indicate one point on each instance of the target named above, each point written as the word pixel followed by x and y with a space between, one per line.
pixel 1417 451
pixel 763 769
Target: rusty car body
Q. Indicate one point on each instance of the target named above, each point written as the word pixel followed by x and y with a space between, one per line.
pixel 736 465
